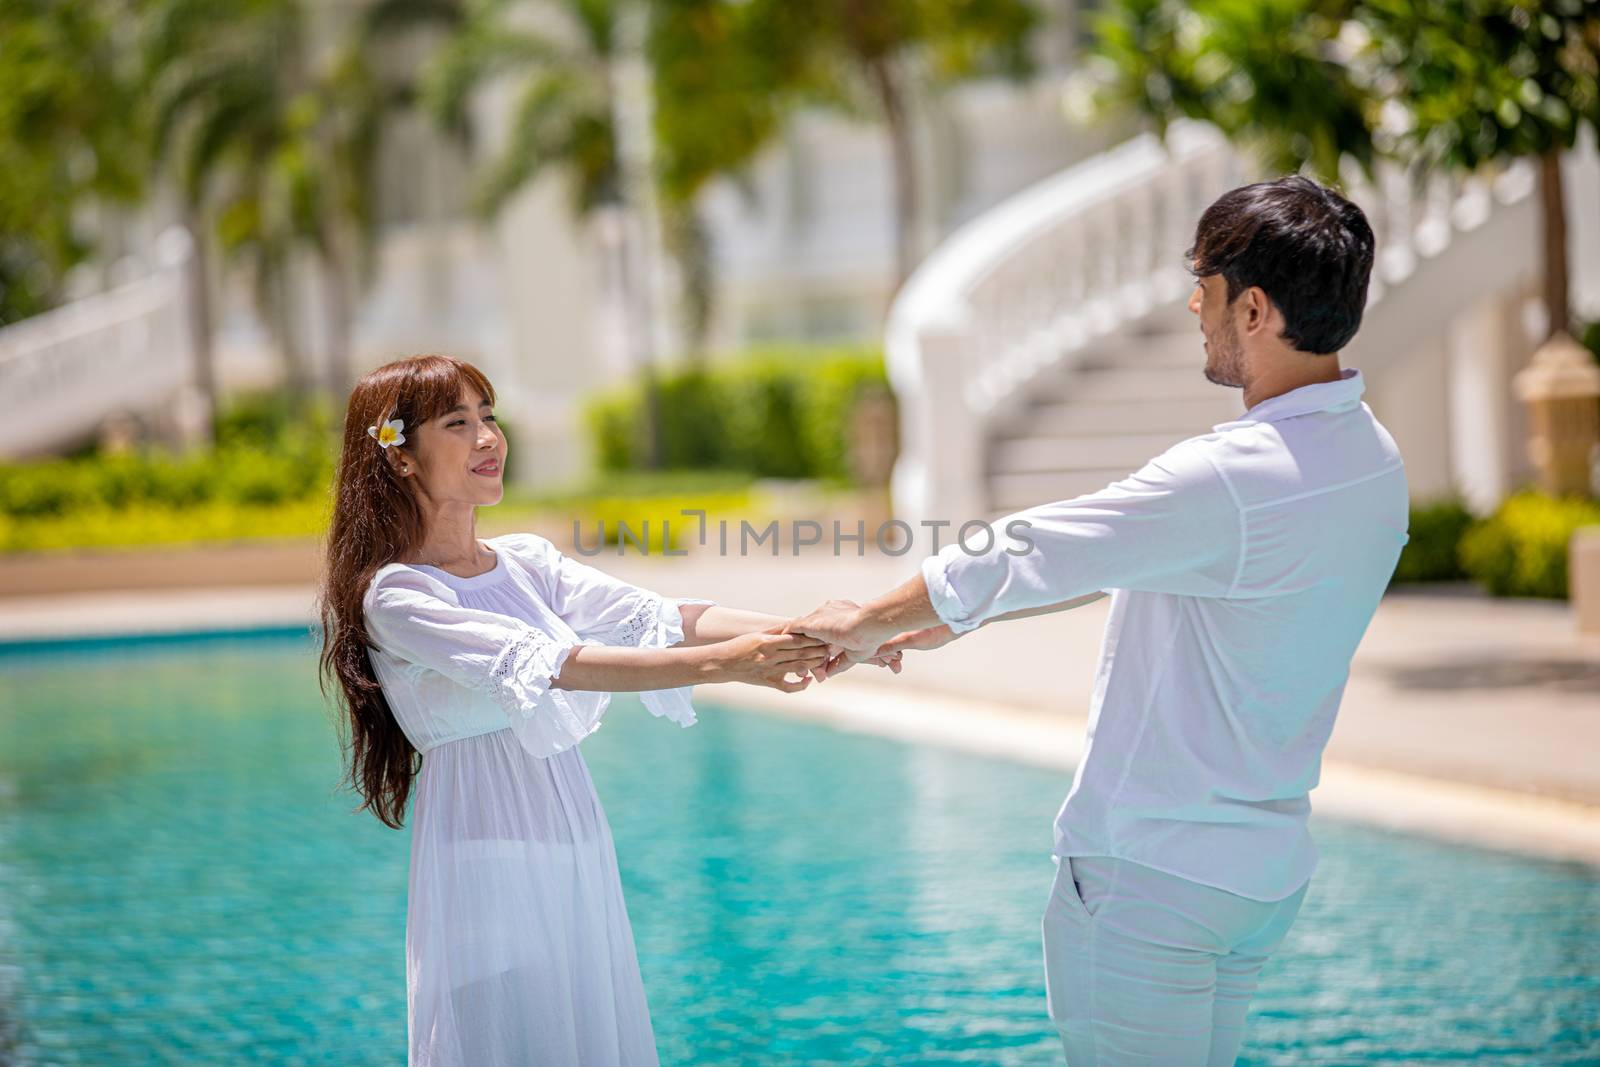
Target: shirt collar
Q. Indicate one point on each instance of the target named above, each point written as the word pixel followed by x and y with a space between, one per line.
pixel 1341 395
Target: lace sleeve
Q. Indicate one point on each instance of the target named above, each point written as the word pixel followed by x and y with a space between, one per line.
pixel 504 658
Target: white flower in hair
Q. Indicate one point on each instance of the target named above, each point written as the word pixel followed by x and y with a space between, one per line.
pixel 388 433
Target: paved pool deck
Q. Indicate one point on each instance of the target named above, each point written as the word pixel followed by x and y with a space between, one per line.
pixel 1465 716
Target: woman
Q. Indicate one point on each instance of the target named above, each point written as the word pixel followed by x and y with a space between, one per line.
pixel 473 669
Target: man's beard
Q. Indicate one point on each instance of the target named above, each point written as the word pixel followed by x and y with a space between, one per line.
pixel 1225 363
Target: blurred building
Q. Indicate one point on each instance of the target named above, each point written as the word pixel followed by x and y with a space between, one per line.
pixel 804 251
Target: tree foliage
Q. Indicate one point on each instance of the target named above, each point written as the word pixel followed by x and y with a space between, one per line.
pixel 69 137
pixel 1454 84
pixel 270 139
pixel 1308 82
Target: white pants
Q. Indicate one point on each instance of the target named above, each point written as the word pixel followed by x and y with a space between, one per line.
pixel 1144 967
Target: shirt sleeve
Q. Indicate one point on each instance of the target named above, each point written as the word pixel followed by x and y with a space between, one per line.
pixel 510 661
pixel 610 611
pixel 1173 526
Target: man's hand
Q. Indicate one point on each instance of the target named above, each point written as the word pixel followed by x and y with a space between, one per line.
pixel 838 617
pixel 889 654
pixel 920 640
pixel 839 623
pixel 855 633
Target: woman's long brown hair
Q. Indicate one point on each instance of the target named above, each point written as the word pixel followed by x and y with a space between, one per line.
pixel 376 521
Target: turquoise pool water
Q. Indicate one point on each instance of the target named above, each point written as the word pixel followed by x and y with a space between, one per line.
pixel 179 883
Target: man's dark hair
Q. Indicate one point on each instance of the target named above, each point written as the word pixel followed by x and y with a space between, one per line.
pixel 1307 247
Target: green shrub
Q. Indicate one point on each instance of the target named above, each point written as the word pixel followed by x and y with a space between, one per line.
pixel 1433 552
pixel 144 523
pixel 268 419
pixel 1521 550
pixel 262 456
pixel 1589 337
pixel 772 413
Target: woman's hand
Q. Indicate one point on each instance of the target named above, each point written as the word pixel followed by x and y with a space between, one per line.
pixel 766 659
pixel 841 660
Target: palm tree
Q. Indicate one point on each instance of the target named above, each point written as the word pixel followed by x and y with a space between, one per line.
pixel 725 74
pixel 564 58
pixel 271 151
pixel 876 57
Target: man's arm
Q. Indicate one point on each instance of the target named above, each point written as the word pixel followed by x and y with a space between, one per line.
pixel 1048 609
pixel 933 637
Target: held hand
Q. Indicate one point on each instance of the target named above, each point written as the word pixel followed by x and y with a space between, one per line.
pixel 840 657
pixel 920 640
pixel 838 623
pixel 768 659
pixel 890 653
pixel 841 660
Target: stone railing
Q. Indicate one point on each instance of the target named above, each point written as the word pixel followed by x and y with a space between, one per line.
pixel 1089 255
pixel 127 350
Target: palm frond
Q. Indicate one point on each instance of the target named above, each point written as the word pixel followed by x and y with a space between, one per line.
pixel 559 119
pixel 478 53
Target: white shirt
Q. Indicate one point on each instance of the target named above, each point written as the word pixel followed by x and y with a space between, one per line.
pixel 1244 566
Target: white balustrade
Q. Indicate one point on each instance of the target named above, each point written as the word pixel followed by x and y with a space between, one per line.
pixel 128 349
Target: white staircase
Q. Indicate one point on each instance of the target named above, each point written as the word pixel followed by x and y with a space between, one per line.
pixel 128 351
pixel 1045 349
pixel 1117 410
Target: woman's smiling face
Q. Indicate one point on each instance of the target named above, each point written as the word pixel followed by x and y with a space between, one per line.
pixel 459 456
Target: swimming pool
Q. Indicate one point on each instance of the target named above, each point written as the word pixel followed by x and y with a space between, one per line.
pixel 179 883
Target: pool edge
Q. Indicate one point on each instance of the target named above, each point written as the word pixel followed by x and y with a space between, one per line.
pixel 1485 816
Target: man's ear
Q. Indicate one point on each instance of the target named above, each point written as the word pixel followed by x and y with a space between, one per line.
pixel 1258 309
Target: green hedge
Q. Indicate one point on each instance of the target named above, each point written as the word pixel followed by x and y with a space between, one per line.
pixel 267 476
pixel 772 413
pixel 262 458
pixel 1521 550
pixel 140 524
pixel 1432 554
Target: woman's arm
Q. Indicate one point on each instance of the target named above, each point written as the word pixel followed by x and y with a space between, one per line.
pixel 753 658
pixel 704 624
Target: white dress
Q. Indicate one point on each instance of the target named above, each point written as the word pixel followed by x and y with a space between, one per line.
pixel 518 947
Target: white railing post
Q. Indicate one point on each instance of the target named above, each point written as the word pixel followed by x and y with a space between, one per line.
pixel 939 473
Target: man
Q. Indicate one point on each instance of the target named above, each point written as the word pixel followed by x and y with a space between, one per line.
pixel 1244 566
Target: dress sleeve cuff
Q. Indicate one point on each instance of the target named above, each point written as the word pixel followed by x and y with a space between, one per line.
pixel 545 720
pixel 952 612
pixel 669 627
pixel 673 704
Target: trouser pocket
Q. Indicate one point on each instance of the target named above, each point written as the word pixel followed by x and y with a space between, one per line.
pixel 1067 892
